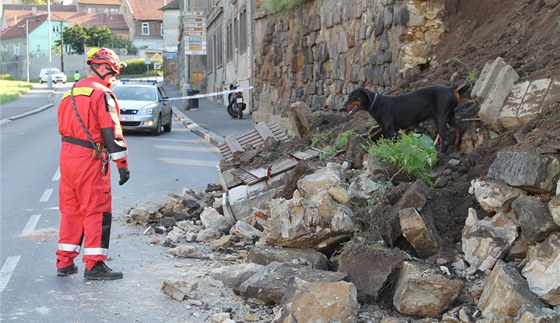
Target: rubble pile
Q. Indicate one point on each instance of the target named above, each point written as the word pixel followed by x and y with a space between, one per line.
pixel 347 245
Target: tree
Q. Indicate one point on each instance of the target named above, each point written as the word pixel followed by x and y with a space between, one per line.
pixel 98 36
pixel 34 2
pixel 76 37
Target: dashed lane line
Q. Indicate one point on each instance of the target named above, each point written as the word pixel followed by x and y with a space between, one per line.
pixel 7 271
pixel 46 195
pixel 31 224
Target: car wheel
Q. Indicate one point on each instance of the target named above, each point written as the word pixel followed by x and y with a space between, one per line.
pixel 41 81
pixel 167 127
pixel 157 130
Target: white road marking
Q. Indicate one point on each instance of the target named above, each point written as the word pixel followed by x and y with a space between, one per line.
pixel 31 224
pixel 46 195
pixel 7 271
pixel 56 176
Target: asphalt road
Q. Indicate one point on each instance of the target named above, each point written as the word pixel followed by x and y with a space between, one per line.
pixel 30 291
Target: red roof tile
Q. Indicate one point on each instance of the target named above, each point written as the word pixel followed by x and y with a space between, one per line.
pixel 101 2
pixel 147 9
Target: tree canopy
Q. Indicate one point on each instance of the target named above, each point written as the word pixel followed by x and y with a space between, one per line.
pixel 78 37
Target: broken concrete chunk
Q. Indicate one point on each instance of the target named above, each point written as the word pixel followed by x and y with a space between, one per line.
pixel 543 269
pixel 505 292
pixel 423 292
pixel 534 217
pixel 491 195
pixel 420 232
pixel 531 172
pixel 370 267
pixel 300 294
pixel 532 314
pixel 487 240
pixel 291 256
pixel 270 284
pixel 233 276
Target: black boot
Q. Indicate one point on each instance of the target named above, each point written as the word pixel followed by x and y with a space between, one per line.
pixel 67 271
pixel 102 272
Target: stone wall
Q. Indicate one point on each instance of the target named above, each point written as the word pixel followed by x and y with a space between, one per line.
pixel 320 51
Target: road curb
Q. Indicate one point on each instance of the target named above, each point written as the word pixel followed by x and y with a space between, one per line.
pixel 207 135
pixel 19 116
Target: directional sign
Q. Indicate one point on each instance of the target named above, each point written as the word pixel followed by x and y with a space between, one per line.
pixel 157 65
pixel 194 26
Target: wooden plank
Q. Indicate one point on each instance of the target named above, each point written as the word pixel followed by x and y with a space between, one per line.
pixel 233 144
pixel 263 130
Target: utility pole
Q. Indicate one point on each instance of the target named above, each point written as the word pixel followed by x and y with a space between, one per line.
pixel 49 82
pixel 61 47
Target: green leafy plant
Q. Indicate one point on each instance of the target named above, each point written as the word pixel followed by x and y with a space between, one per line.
pixel 558 20
pixel 340 143
pixel 316 138
pixel 411 153
pixel 471 79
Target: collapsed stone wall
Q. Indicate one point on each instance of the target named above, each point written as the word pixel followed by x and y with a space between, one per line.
pixel 320 51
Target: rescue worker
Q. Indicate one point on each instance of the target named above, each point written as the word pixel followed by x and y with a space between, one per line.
pixel 88 121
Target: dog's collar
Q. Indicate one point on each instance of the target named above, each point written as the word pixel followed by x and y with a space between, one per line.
pixel 370 107
pixel 373 103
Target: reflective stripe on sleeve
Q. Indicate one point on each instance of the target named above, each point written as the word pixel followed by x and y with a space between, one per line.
pixel 119 154
pixel 95 251
pixel 68 247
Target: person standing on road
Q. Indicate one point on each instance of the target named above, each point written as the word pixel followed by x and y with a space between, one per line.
pixel 77 76
pixel 88 121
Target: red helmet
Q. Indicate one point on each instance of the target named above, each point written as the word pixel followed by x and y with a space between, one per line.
pixel 105 56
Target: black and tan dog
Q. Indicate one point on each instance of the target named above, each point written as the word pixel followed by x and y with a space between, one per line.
pixel 402 111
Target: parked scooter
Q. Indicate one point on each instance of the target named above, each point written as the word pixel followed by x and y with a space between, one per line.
pixel 236 103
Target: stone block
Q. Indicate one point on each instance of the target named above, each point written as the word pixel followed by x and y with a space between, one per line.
pixel 505 292
pixel 486 79
pixel 492 103
pixel 533 100
pixel 531 172
pixel 508 115
pixel 552 95
pixel 534 218
pixel 542 270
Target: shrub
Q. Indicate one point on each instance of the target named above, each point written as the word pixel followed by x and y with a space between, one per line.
pixel 340 143
pixel 137 66
pixel 412 153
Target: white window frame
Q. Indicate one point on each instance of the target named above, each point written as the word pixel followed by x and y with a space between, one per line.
pixel 16 49
pixel 145 29
pixel 161 28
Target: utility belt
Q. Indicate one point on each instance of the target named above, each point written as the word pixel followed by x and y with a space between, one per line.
pixel 84 143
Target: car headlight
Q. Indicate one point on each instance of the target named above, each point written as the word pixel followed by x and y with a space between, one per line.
pixel 147 110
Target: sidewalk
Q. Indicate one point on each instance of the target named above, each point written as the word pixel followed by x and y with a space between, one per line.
pixel 35 100
pixel 210 121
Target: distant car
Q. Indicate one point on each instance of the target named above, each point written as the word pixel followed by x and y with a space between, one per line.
pixel 56 75
pixel 144 106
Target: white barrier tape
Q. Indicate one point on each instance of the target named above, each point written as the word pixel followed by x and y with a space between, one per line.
pixel 198 96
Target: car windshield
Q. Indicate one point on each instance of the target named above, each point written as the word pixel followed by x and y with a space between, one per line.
pixel 137 93
pixel 54 71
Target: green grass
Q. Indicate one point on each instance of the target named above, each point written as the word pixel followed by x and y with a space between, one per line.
pixel 11 89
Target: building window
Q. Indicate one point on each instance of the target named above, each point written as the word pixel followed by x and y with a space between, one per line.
pixel 161 29
pixel 219 48
pixel 210 56
pixel 16 49
pixel 243 32
pixel 145 28
pixel 229 43
pixel 235 33
pixel 91 10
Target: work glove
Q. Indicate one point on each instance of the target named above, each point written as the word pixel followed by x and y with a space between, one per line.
pixel 124 173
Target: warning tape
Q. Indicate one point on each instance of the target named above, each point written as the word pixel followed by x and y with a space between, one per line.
pixel 205 95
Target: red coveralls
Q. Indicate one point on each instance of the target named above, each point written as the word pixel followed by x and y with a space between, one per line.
pixel 85 190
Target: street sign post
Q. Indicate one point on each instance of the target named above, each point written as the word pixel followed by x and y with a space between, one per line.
pixel 194 26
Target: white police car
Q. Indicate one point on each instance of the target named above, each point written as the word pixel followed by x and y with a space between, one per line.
pixel 144 106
